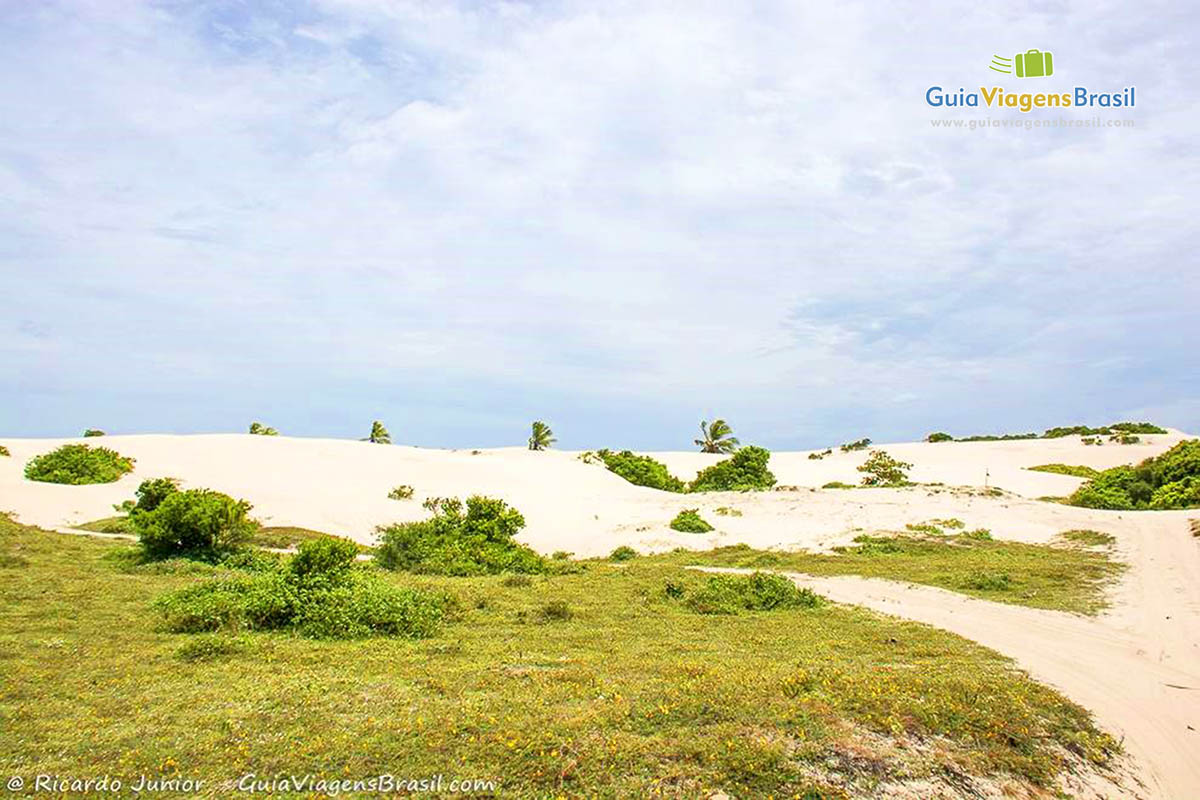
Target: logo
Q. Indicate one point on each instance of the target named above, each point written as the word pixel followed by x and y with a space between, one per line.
pixel 1030 64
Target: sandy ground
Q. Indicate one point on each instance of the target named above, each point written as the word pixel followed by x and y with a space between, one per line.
pixel 1137 667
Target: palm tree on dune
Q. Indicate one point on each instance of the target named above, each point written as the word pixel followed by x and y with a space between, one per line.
pixel 717 437
pixel 542 436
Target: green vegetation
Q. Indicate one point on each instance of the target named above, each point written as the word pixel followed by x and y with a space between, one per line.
pixel 838 485
pixel 1004 437
pixel 199 524
pixel 727 511
pixel 1169 480
pixel 746 470
pixel 287 537
pixel 118 524
pixel 1075 471
pixel 541 436
pixel 882 470
pixel 320 593
pixel 475 539
pixel 716 437
pixel 1040 576
pixel 401 492
pixel 818 456
pixel 732 594
pixel 690 521
pixel 641 470
pixel 90 432
pixel 77 464
pixel 861 444
pixel 378 434
pixel 4 451
pixel 623 553
pixel 1088 538
pixel 258 429
pixel 633 695
pixel 1122 432
pixel 939 436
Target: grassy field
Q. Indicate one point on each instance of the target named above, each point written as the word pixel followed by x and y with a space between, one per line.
pixel 1069 577
pixel 626 693
pixel 280 537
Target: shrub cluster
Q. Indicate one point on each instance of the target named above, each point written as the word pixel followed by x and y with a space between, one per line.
pixel 745 470
pixel 402 492
pixel 861 444
pixel 732 594
pixel 690 521
pixel 4 451
pixel 882 470
pixel 475 539
pixel 78 464
pixel 1169 480
pixel 258 429
pixel 623 553
pixel 90 432
pixel 939 436
pixel 321 593
pixel 820 455
pixel 199 524
pixel 641 470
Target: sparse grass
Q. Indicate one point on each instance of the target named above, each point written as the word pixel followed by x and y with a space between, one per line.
pixel 287 537
pixel 1088 538
pixel 634 695
pixel 1040 576
pixel 117 524
pixel 1074 470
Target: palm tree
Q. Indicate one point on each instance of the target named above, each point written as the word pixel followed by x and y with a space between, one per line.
pixel 258 429
pixel 542 436
pixel 379 434
pixel 718 437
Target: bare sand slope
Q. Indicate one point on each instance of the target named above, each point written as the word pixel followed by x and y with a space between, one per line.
pixel 341 487
pixel 1137 668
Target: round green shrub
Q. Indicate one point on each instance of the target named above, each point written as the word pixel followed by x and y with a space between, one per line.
pixel 746 470
pixel 690 521
pixel 197 523
pixel 78 464
pixel 623 553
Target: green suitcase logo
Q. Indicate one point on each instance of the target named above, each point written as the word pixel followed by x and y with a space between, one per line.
pixel 1035 64
pixel 1030 64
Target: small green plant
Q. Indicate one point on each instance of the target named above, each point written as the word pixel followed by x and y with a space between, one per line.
pixel 258 429
pixel 978 535
pixel 516 580
pixel 861 444
pixel 745 470
pixel 838 485
pixel 214 647
pixel 90 432
pixel 560 555
pixel 882 470
pixel 1088 538
pixel 939 436
pixel 541 437
pixel 623 553
pixel 641 470
pixel 4 451
pixel 555 611
pixel 727 511
pixel 199 524
pixel 475 538
pixel 1125 438
pixel 401 492
pixel 716 437
pixel 954 523
pixel 77 464
pixel 150 493
pixel 1075 471
pixel 760 591
pixel 690 521
pixel 818 456
pixel 378 434
pixel 988 581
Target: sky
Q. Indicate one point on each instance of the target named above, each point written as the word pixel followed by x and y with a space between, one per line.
pixel 619 217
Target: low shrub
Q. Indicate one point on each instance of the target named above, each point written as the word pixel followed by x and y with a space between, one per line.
pixel 861 444
pixel 883 470
pixel 150 493
pixel 1169 480
pixel 475 539
pixel 1125 438
pixel 561 555
pixel 319 594
pixel 1088 538
pixel 78 464
pixel 988 581
pixel 939 436
pixel 90 432
pixel 820 455
pixel 556 611
pixel 745 470
pixel 690 521
pixel 760 591
pixel 837 485
pixel 402 492
pixel 726 511
pixel 874 546
pixel 258 429
pixel 214 647
pixel 623 553
pixel 516 581
pixel 1074 470
pixel 979 535
pixel 641 470
pixel 198 523
pixel 4 451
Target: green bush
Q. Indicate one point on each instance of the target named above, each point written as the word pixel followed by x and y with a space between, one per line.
pixel 150 493
pixel 1161 482
pixel 197 523
pixel 861 444
pixel 745 470
pixel 477 540
pixel 1137 427
pixel 838 485
pixel 1075 471
pixel 690 521
pixel 641 470
pixel 939 436
pixel 988 581
pixel 402 492
pixel 4 451
pixel 77 464
pixel 820 455
pixel 622 553
pixel 258 429
pixel 213 647
pixel 883 470
pixel 90 432
pixel 761 591
pixel 321 593
pixel 556 611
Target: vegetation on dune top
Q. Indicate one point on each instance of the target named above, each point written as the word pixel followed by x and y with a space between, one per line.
pixel 1169 480
pixel 4 451
pixel 78 464
pixel 1123 432
pixel 258 429
pixel 639 470
pixel 716 437
pixel 602 683
pixel 744 471
pixel 540 437
pixel 378 434
pixel 90 432
pixel 1074 470
pixel 880 469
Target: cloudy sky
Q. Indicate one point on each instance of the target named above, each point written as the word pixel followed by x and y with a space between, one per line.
pixel 617 217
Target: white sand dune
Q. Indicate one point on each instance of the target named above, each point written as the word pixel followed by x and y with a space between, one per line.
pixel 1137 666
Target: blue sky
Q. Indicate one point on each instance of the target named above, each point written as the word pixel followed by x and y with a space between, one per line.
pixel 620 218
